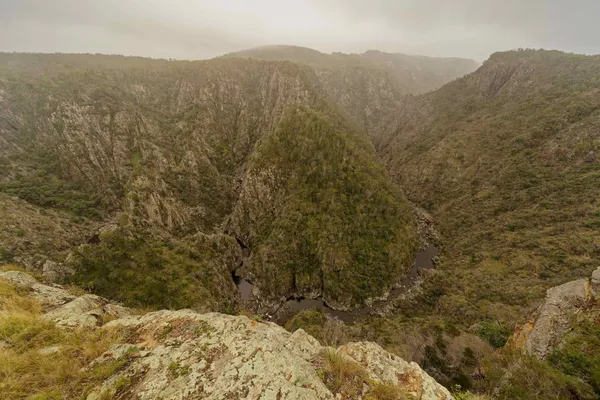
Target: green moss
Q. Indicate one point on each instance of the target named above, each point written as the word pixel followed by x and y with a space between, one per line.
pixel 122 383
pixel 176 370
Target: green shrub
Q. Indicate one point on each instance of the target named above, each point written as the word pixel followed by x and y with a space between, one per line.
pixel 312 321
pixel 494 333
pixel 49 191
pixel 579 356
pixel 531 379
pixel 6 255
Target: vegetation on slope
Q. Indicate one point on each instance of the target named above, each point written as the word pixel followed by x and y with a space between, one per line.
pixel 162 149
pixel 579 355
pixel 348 378
pixel 507 161
pixel 320 214
pixel 143 272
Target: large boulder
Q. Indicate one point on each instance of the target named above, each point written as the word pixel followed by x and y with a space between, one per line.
pixel 183 354
pixel 552 321
pixel 214 356
pixel 50 296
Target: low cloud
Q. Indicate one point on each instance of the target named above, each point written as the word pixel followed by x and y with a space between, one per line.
pixel 195 29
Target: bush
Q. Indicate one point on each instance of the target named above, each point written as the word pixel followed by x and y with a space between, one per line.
pixel 51 192
pixel 531 379
pixel 494 333
pixel 579 356
pixel 312 321
pixel 6 255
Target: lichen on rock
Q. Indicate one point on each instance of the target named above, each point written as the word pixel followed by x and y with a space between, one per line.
pixel 175 355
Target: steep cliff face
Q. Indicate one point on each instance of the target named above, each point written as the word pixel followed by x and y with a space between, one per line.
pixel 179 354
pixel 162 142
pixel 151 155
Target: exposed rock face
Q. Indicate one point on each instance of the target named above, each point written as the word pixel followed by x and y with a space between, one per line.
pixel 50 296
pixel 186 355
pixel 183 354
pixel 214 356
pixel 546 330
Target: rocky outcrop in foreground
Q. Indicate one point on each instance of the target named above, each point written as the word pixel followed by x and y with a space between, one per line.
pixel 187 355
pixel 552 321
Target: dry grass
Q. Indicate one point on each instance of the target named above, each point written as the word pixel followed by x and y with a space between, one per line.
pixel 342 375
pixel 381 391
pixel 348 378
pixel 25 373
pixel 11 267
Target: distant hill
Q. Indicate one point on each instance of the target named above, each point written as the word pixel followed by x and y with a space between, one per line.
pixel 412 74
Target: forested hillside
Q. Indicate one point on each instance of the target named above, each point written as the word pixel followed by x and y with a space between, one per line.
pixel 507 160
pixel 155 159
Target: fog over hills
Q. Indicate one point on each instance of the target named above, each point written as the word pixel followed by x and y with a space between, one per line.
pixel 205 29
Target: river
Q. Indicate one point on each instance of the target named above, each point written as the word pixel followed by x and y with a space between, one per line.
pixel 423 260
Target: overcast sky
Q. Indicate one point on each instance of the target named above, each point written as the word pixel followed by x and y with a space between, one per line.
pixel 195 29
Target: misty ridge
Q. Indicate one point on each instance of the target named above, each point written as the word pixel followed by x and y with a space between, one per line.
pixel 299 200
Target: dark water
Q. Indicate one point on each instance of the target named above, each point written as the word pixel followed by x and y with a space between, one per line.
pixel 423 260
pixel 244 287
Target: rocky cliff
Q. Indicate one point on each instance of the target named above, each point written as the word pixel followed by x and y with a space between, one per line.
pixel 185 355
pixel 371 86
pixel 161 166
